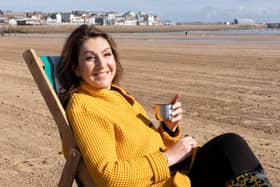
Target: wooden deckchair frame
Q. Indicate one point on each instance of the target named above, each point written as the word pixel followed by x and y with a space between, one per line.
pixel 74 166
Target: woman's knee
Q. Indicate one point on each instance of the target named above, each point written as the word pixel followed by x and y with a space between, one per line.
pixel 231 138
pixel 228 141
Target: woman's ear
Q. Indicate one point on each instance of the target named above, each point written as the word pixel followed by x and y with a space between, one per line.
pixel 77 71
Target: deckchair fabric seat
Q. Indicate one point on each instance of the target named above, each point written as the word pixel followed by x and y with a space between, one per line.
pixel 50 67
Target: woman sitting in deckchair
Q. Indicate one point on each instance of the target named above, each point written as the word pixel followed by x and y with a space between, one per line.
pixel 115 136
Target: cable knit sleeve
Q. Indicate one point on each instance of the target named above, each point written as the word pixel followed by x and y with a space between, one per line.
pixel 95 136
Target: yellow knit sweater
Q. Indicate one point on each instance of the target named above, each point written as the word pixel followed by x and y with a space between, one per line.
pixel 117 144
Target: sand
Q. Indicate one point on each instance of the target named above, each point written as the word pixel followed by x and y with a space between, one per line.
pixel 228 82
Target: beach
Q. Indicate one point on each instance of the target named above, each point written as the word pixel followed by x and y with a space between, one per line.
pixel 229 81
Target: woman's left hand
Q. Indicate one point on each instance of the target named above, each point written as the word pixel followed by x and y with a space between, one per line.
pixel 176 113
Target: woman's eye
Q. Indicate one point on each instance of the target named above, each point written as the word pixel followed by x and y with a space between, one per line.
pixel 90 58
pixel 108 54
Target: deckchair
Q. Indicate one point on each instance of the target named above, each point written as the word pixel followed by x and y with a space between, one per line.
pixel 43 70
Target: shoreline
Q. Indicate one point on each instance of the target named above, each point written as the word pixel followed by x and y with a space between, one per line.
pixel 134 29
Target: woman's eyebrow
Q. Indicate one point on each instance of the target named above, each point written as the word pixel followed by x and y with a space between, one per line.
pixel 106 49
pixel 88 51
pixel 92 52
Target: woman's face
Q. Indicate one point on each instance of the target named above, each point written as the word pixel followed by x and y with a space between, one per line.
pixel 96 63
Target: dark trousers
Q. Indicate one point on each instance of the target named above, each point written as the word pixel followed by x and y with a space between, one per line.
pixel 221 159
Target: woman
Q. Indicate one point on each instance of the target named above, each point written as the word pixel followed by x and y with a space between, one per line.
pixel 119 145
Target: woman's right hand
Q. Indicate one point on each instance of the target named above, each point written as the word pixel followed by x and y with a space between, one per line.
pixel 180 150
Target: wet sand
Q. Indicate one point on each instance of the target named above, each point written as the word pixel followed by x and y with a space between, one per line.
pixel 229 83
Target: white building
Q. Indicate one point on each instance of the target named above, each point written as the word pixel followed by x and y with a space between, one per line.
pixel 58 18
pixel 77 19
pixel 91 20
pixel 129 15
pixel 54 19
pixel 130 22
pixel 150 20
pixel 12 21
pixel 111 16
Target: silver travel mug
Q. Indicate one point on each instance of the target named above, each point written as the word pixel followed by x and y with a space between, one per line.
pixel 163 112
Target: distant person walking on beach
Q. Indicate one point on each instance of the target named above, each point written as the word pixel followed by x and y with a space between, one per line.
pixel 186 34
pixel 119 144
pixel 2 30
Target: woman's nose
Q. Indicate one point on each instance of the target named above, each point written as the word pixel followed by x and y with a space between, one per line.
pixel 100 61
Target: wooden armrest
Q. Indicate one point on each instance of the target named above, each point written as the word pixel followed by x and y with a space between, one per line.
pixel 70 168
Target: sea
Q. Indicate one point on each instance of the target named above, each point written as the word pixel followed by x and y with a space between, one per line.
pixel 206 36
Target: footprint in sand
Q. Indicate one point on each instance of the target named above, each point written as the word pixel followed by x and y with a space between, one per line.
pixel 29 165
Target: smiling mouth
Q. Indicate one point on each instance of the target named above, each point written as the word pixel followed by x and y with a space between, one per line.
pixel 103 73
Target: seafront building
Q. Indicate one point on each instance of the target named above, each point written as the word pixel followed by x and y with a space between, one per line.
pixel 78 17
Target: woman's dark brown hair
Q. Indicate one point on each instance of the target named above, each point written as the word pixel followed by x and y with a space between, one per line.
pixel 70 53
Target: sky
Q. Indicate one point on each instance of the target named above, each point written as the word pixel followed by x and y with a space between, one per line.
pixel 167 10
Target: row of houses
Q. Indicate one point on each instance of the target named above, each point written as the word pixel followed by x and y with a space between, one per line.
pixel 78 17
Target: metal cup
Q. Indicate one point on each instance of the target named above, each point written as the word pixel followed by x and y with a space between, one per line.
pixel 163 111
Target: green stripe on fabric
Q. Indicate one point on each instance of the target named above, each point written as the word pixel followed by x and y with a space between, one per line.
pixel 49 70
